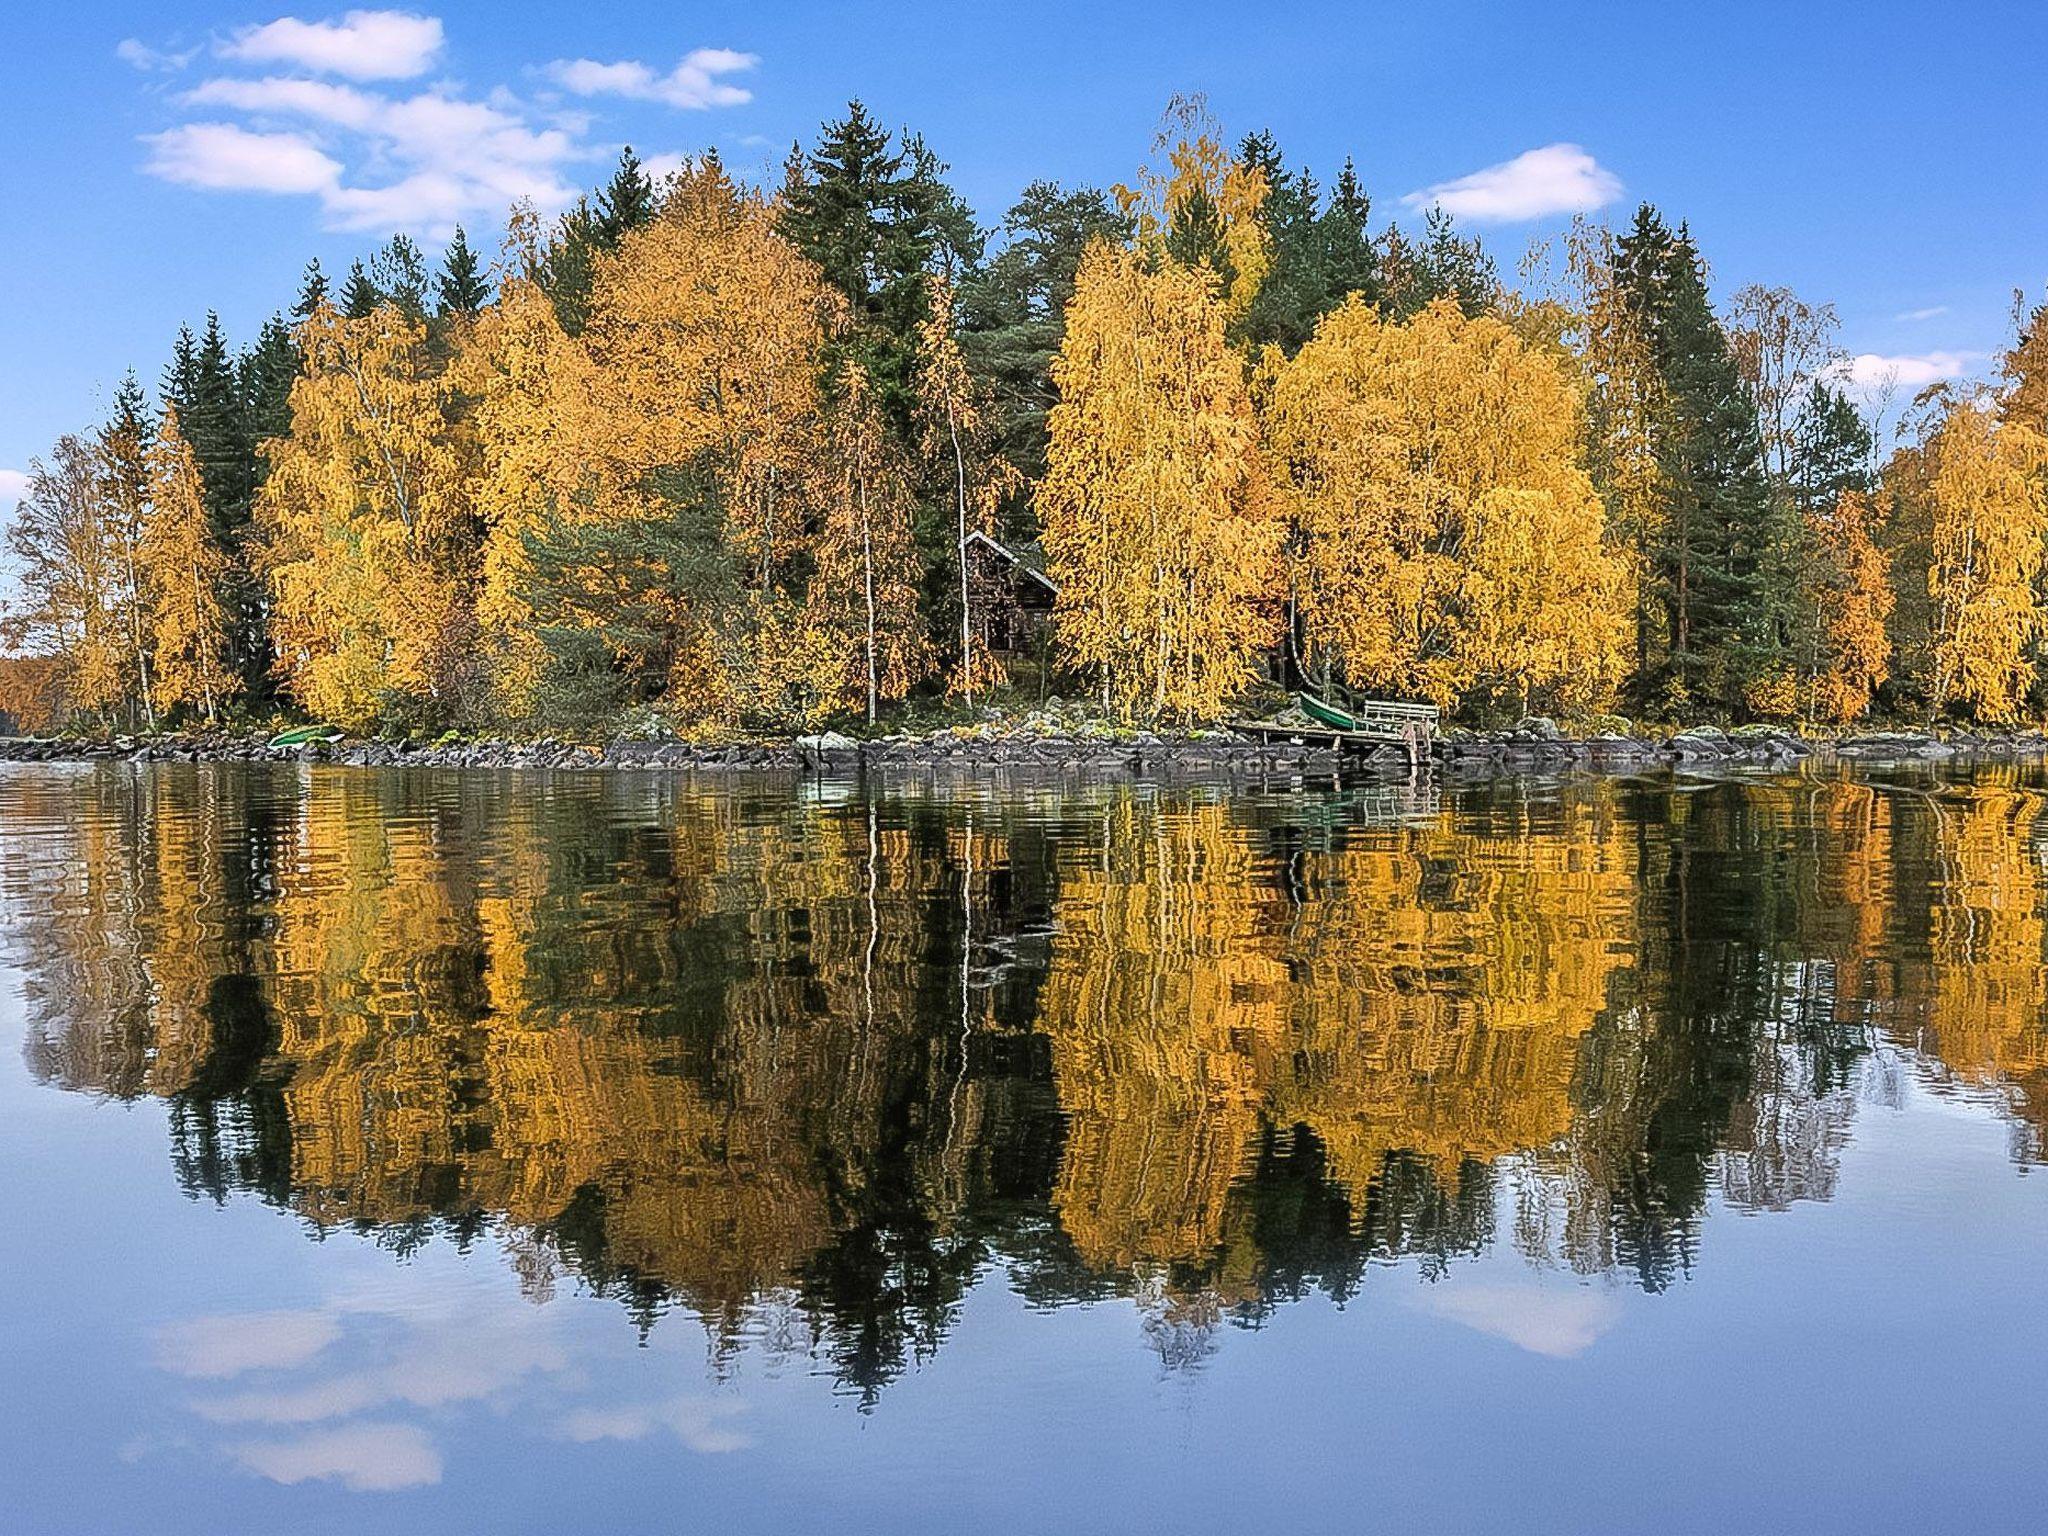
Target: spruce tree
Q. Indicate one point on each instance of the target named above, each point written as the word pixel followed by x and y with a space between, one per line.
pixel 266 372
pixel 461 289
pixel 312 291
pixel 401 274
pixel 1321 253
pixel 359 295
pixel 626 202
pixel 877 219
pixel 567 263
pixel 1720 556
pixel 1833 450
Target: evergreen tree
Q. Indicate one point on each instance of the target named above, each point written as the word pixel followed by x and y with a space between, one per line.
pixel 1719 557
pixel 401 274
pixel 567 263
pixel 1443 265
pixel 876 219
pixel 181 373
pixel 213 411
pixel 1833 451
pixel 266 372
pixel 359 295
pixel 1014 307
pixel 626 202
pixel 312 291
pixel 1322 253
pixel 461 289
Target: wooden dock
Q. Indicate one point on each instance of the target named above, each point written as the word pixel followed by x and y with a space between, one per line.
pixel 1381 727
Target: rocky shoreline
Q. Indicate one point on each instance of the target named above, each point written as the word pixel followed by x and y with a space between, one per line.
pixel 1531 747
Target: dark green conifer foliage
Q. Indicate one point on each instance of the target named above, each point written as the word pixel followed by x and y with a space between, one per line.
pixel 313 289
pixel 359 295
pixel 401 274
pixel 877 219
pixel 267 371
pixel 1833 449
pixel 1719 563
pixel 461 289
pixel 1013 314
pixel 1442 265
pixel 1321 251
pixel 626 202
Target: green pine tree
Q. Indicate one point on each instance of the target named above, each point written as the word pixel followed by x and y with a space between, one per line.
pixel 401 274
pixel 1720 560
pixel 360 296
pixel 461 289
pixel 312 291
pixel 1321 251
pixel 626 201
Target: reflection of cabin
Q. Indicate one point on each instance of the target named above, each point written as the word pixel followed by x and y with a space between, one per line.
pixel 1012 599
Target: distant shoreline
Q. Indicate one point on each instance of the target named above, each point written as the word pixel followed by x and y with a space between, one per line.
pixel 1533 748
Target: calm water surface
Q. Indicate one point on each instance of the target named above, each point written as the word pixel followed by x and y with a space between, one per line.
pixel 437 1152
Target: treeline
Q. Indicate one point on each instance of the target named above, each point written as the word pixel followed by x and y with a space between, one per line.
pixel 705 458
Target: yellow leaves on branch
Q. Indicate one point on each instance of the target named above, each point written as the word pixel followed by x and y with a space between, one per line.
pixel 1202 205
pixel 1158 526
pixel 369 539
pixel 1451 546
pixel 706 337
pixel 187 572
pixel 1846 649
pixel 1990 515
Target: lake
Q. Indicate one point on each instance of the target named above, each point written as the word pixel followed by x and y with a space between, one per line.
pixel 413 1151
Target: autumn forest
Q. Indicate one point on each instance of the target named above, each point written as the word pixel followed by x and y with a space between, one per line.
pixel 705 459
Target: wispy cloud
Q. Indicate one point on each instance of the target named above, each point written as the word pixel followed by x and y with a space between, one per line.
pixel 1558 178
pixel 13 486
pixel 1873 373
pixel 219 1347
pixel 379 158
pixel 363 1458
pixel 1559 1324
pixel 363 45
pixel 1913 316
pixel 692 85
pixel 135 52
pixel 699 1423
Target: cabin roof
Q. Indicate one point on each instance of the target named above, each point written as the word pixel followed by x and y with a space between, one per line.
pixel 1025 556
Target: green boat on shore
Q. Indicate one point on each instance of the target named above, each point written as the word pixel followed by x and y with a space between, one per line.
pixel 299 735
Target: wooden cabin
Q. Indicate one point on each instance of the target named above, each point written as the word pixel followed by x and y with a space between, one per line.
pixel 1012 599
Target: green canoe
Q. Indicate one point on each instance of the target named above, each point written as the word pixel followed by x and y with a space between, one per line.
pixel 298 736
pixel 1325 714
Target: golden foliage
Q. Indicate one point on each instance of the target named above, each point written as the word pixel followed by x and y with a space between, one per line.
pixel 1158 524
pixel 1450 544
pixel 1989 514
pixel 1846 608
pixel 1202 206
pixel 187 570
pixel 369 539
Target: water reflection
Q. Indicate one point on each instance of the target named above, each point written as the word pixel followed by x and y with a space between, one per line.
pixel 807 1062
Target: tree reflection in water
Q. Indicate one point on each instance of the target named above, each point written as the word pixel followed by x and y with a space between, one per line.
pixel 807 1060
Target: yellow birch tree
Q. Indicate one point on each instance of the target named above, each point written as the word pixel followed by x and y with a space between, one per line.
pixel 1158 526
pixel 186 572
pixel 1450 543
pixel 1990 515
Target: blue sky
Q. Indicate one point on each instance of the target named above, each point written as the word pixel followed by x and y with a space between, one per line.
pixel 155 164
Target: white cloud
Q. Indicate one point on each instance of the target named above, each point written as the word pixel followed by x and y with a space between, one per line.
pixel 659 167
pixel 1871 373
pixel 363 1458
pixel 692 85
pixel 220 157
pixel 13 486
pixel 1913 316
pixel 1559 1324
pixel 696 1422
pixel 1558 178
pixel 134 51
pixel 442 158
pixel 216 1347
pixel 363 45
